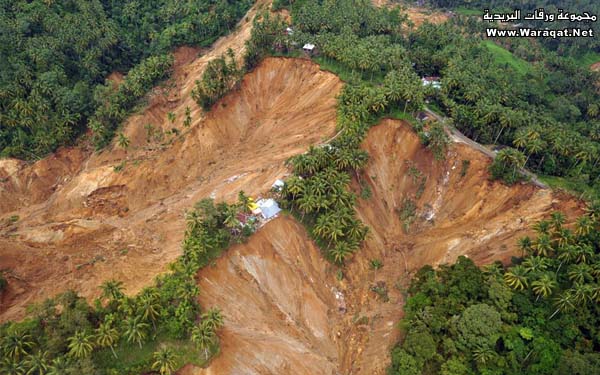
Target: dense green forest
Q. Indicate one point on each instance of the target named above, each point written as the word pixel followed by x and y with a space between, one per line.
pixel 55 56
pixel 161 328
pixel 539 315
pixel 516 93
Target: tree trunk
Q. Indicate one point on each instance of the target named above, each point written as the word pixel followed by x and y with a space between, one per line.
pixel 498 136
pixel 113 351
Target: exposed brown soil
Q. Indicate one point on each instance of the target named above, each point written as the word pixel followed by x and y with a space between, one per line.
pixel 595 67
pixel 279 296
pixel 418 15
pixel 90 223
pixel 81 222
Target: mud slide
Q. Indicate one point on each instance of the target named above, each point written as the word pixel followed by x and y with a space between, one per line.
pixel 286 312
pixel 93 223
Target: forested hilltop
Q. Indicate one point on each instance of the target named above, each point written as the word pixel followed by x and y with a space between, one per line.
pixel 55 56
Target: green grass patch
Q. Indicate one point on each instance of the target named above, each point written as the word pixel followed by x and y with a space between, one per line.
pixel 433 107
pixel 398 114
pixel 468 12
pixel 578 188
pixel 346 74
pixel 586 60
pixel 131 359
pixel 504 57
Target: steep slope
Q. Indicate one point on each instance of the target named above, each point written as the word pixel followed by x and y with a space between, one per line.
pixel 93 223
pixel 285 310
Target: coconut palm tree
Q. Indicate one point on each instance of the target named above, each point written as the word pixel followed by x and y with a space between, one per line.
pixel 584 253
pixel 493 270
pixel 80 344
pixel 339 252
pixel 203 336
pixel 483 354
pixel 123 141
pixel 16 343
pixel 557 219
pixel 149 306
pixel 584 226
pixel 582 293
pixel 213 318
pixel 112 289
pixel 536 264
pixel 164 361
pixel 524 244
pixel 543 245
pixel 11 366
pixel 562 237
pixel 135 330
pixel 59 366
pixel 542 227
pixel 563 303
pixel 107 335
pixel 37 363
pixel 544 286
pixel 580 273
pixel 516 277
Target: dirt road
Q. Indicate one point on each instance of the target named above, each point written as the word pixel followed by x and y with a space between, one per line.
pixel 459 137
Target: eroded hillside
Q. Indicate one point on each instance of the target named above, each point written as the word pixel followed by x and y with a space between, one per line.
pixel 90 223
pixel 285 310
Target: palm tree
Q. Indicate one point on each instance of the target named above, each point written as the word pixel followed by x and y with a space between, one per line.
pixel 188 117
pixel 493 270
pixel 584 226
pixel 112 289
pixel 123 141
pixel 525 245
pixel 135 330
pixel 566 254
pixel 231 221
pixel 107 335
pixel 584 253
pixel 542 245
pixel 16 343
pixel 59 366
pixel 562 237
pixel 203 336
pixel 544 286
pixel 339 252
pixel 164 361
pixel 244 200
pixel 593 211
pixel 11 366
pixel 149 307
pixel 536 264
pixel 171 117
pixel 557 220
pixel 563 303
pixel 542 227
pixel 580 273
pixel 516 277
pixel 582 293
pixel 213 318
pixel 483 354
pixel 80 344
pixel 37 363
